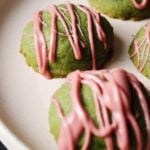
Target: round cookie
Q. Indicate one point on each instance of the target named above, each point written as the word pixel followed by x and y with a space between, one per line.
pixel 123 9
pixel 105 109
pixel 63 38
pixel 139 50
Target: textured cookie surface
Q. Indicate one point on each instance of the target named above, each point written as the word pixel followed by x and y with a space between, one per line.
pixel 124 9
pixel 93 39
pixel 139 50
pixel 101 110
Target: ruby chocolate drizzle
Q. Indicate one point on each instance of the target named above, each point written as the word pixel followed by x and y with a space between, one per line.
pixel 144 54
pixel 143 4
pixel 111 93
pixel 93 19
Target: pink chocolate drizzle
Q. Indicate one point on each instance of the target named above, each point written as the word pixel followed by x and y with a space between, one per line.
pixel 40 46
pixel 141 5
pixel 72 33
pixel 111 94
pixel 143 55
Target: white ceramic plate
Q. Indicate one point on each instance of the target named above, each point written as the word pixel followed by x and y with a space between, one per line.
pixel 25 95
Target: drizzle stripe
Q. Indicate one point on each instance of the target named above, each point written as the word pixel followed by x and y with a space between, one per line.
pixel 40 46
pixel 111 94
pixel 141 5
pixel 71 28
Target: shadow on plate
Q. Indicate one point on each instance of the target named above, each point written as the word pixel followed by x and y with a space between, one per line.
pixel 117 50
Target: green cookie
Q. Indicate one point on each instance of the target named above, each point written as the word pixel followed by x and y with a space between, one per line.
pixel 123 9
pixel 63 96
pixel 65 60
pixel 139 51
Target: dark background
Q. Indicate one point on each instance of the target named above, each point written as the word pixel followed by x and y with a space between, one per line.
pixel 2 147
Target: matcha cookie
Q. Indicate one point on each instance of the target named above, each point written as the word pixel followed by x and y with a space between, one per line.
pixel 99 110
pixel 124 9
pixel 139 50
pixel 63 38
